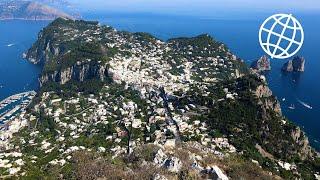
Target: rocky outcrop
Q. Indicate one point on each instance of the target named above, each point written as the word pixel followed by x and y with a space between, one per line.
pixel 296 65
pixel 173 164
pixel 216 173
pixel 159 177
pixel 263 91
pixel 160 158
pixel 79 72
pixel 262 64
pixel 301 139
pixel 266 100
pixel 62 63
pixel 41 51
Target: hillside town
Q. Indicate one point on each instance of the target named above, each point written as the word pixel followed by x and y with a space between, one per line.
pixel 173 99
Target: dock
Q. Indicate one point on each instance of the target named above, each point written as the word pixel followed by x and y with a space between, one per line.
pixel 13 105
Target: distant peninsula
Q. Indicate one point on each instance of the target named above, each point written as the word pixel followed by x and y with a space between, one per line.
pixel 29 10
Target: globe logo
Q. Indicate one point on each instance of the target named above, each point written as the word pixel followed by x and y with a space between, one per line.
pixel 281 36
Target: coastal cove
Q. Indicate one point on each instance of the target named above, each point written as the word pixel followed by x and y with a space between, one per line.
pixel 18 75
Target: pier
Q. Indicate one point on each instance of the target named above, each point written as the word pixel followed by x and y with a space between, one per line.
pixel 13 105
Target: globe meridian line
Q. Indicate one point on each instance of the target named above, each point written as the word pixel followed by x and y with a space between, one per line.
pixel 291 23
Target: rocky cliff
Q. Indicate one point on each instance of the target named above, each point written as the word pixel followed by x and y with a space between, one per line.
pixel 41 51
pixel 64 62
pixel 262 64
pixel 300 138
pixel 295 65
pixel 78 72
pixel 267 100
pixel 270 103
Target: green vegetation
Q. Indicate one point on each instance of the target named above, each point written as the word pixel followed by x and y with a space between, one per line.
pixel 73 87
pixel 146 37
pixel 202 45
pixel 245 122
pixel 214 104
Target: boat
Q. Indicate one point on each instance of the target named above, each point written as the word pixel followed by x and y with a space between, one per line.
pixel 305 104
pixel 292 106
pixel 9 45
pixel 20 101
pixel 283 99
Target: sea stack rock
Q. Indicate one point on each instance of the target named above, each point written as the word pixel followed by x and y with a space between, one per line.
pixel 296 65
pixel 262 64
pixel 287 67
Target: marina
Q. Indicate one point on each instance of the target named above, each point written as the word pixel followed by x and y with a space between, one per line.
pixel 13 105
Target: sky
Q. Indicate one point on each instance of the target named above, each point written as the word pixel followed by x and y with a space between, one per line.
pixel 201 7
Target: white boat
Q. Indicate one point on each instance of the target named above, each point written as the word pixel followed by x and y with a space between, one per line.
pixel 305 104
pixel 283 99
pixel 292 106
pixel 9 45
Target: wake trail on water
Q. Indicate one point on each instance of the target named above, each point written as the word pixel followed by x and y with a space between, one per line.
pixel 10 45
pixel 304 104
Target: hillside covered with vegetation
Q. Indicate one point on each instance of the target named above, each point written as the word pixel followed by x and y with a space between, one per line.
pixel 121 105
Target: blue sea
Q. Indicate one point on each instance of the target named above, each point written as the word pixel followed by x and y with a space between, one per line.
pixel 240 35
pixel 16 74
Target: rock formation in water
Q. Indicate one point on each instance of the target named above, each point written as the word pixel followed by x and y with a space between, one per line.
pixel 287 67
pixel 295 65
pixel 262 64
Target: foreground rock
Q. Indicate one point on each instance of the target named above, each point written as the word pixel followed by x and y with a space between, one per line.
pixel 216 173
pixel 295 65
pixel 262 64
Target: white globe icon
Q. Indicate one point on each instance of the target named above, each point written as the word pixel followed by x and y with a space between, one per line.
pixel 281 36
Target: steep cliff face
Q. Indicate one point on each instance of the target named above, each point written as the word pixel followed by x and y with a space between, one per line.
pixel 63 59
pixel 42 49
pixel 79 72
pixel 44 52
pixel 301 139
pixel 268 102
pixel 264 94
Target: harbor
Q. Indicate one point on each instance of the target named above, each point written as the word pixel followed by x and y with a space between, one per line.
pixel 13 105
